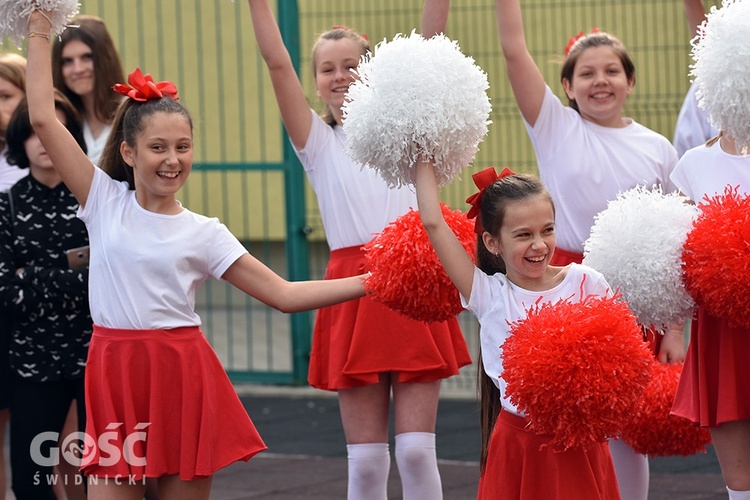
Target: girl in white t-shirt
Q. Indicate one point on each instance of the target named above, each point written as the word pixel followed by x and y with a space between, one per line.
pixel 362 349
pixel 516 241
pixel 587 153
pixel 159 403
pixel 714 387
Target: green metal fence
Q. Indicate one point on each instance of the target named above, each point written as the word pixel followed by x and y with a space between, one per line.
pixel 246 174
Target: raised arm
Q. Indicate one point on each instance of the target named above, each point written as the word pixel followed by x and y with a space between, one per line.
pixel 257 280
pixel 74 167
pixel 452 255
pixel 434 17
pixel 695 14
pixel 525 78
pixel 295 111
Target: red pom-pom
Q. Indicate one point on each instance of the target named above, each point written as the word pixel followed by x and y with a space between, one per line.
pixel 652 430
pixel 577 370
pixel 716 257
pixel 407 275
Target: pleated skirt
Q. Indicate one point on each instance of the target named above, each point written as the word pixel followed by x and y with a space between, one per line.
pixel 355 341
pixel 159 402
pixel 714 386
pixel 517 469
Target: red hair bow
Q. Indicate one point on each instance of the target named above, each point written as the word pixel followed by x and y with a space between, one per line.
pixel 482 180
pixel 142 87
pixel 573 39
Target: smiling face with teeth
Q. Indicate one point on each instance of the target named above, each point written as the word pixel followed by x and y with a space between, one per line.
pixel 526 241
pixel 600 86
pixel 334 62
pixel 162 158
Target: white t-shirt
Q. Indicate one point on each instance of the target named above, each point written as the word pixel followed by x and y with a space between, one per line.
pixel 95 146
pixel 496 302
pixel 692 128
pixel 145 267
pixel 709 170
pixel 585 165
pixel 9 174
pixel 355 202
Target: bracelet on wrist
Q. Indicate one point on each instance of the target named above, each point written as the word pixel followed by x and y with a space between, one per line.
pixel 36 34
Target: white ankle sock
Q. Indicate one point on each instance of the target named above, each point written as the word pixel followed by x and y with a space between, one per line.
pixel 369 464
pixel 417 465
pixel 738 495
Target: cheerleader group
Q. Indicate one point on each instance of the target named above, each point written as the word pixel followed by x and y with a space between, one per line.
pixel 569 360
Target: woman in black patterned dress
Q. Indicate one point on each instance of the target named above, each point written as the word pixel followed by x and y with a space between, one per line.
pixel 46 299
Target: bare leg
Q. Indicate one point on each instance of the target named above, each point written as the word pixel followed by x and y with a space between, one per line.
pixel 364 414
pixel 732 445
pixel 67 471
pixel 415 407
pixel 172 487
pixel 108 489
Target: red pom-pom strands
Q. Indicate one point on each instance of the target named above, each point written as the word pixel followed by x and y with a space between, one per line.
pixel 652 430
pixel 407 275
pixel 716 257
pixel 577 370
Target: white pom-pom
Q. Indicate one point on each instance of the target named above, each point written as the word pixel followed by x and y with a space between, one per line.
pixel 14 16
pixel 636 243
pixel 722 68
pixel 415 97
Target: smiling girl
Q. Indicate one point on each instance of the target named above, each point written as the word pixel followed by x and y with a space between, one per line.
pixel 588 152
pixel 362 349
pixel 516 240
pixel 150 370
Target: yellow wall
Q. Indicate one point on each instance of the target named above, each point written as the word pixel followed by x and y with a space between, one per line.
pixel 208 49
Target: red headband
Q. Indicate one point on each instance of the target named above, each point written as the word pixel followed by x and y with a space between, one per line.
pixel 482 180
pixel 142 87
pixel 573 39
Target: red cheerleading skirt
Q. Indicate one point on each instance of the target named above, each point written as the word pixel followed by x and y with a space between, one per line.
pixel 355 341
pixel 159 402
pixel 714 386
pixel 564 257
pixel 517 469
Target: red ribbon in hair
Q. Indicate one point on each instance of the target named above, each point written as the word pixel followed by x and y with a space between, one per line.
pixel 483 179
pixel 573 39
pixel 142 87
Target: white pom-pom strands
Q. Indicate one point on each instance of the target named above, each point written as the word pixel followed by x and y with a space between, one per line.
pixel 416 97
pixel 722 69
pixel 636 243
pixel 14 16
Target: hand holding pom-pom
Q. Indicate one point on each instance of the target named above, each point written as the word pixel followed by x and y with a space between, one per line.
pixel 407 275
pixel 722 73
pixel 416 99
pixel 716 259
pixel 653 430
pixel 14 16
pixel 577 370
pixel 636 243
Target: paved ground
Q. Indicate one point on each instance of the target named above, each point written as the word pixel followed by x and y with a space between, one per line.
pixel 306 456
